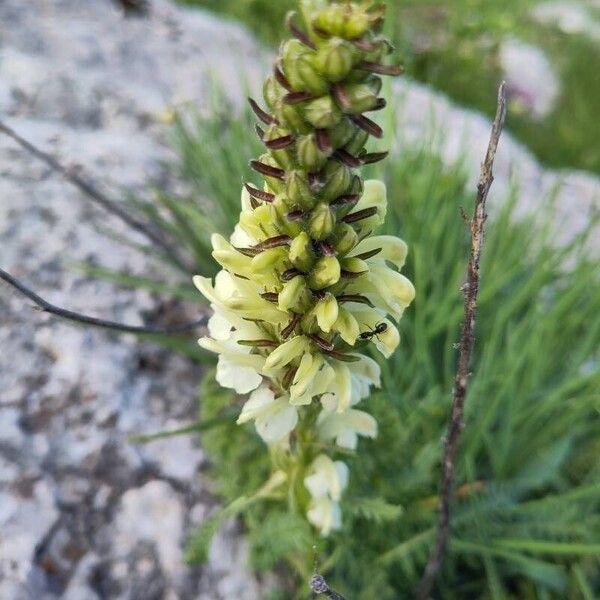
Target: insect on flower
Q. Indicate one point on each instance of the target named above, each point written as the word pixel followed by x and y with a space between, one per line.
pixel 368 335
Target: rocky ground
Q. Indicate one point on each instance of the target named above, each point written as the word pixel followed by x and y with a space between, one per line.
pixel 85 513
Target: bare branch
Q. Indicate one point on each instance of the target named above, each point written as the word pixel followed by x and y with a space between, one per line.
pixel 69 315
pixel 98 197
pixel 467 341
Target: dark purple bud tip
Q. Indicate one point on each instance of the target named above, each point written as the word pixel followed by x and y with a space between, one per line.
pixel 270 297
pixel 341 96
pixel 374 157
pixel 282 79
pixel 289 329
pixel 323 344
pixel 289 274
pixel 365 213
pixel 326 249
pixel 354 298
pixel 297 32
pixel 280 143
pixel 367 255
pixel 367 125
pixel 381 69
pixel 297 97
pixel 323 141
pixel 267 170
pixel 274 242
pixel 347 159
pixel 345 200
pixel 260 194
pixel 295 215
pixel 265 117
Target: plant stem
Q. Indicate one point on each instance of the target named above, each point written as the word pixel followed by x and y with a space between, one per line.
pixel 467 341
pixel 70 315
pixel 99 198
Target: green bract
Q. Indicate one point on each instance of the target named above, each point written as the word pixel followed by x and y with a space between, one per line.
pixel 305 284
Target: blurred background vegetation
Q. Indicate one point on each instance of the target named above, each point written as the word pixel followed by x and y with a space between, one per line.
pixel 527 521
pixel 460 47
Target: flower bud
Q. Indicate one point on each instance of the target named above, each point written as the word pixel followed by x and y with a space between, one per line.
pixel 332 20
pixel 310 157
pixel 325 273
pixel 338 179
pixel 291 53
pixel 354 267
pixel 335 59
pixel 295 296
pixel 301 253
pixel 347 326
pixel 322 113
pixel 298 190
pixel 275 184
pixel 357 25
pixel 268 260
pixel 272 92
pixel 357 143
pixel 312 80
pixel 357 98
pixel 342 133
pixel 344 238
pixel 326 312
pixel 321 222
pixel 290 114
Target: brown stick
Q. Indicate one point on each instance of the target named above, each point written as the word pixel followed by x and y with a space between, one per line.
pixel 467 341
pixel 97 197
pixel 70 315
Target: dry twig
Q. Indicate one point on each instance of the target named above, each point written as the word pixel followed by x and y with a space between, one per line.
pixel 319 587
pixel 467 341
pixel 70 315
pixel 98 197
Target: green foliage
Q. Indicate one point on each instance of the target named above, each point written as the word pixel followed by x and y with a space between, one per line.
pixel 453 45
pixel 526 521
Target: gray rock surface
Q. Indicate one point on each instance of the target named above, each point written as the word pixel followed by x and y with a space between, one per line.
pixel 84 513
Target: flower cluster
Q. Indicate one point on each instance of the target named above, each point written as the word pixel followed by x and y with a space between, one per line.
pixel 305 284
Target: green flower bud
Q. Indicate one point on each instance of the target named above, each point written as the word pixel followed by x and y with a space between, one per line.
pixel 335 59
pixel 269 260
pixel 295 296
pixel 342 133
pixel 310 157
pixel 272 92
pixel 332 20
pixel 357 25
pixel 357 98
pixel 312 80
pixel 298 190
pixel 321 222
pixel 326 312
pixel 322 113
pixel 325 273
pixel 338 179
pixel 291 115
pixel 354 267
pixel 357 143
pixel 291 52
pixel 301 252
pixel 344 238
pixel 275 184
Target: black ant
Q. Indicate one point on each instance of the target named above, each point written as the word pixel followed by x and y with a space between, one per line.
pixel 369 335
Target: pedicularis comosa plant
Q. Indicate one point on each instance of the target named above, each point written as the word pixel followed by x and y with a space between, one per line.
pixel 306 283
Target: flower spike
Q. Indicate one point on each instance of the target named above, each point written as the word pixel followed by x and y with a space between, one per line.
pixel 305 284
